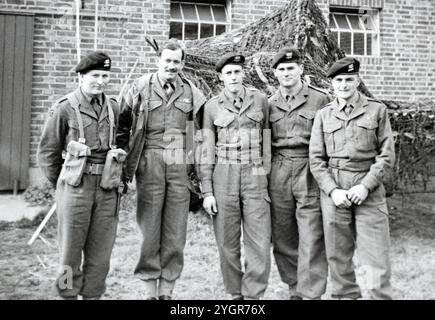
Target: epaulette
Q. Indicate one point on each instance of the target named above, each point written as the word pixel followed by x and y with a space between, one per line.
pixel 58 102
pixel 252 89
pixel 318 89
pixel 114 100
pixel 211 99
pixel 374 100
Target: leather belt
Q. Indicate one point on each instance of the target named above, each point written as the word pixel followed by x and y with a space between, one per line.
pixel 94 168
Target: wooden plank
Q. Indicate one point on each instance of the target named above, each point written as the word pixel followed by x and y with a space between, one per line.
pixel 3 183
pixel 18 126
pixel 27 102
pixel 6 129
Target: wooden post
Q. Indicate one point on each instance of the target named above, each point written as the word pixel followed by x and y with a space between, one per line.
pixel 96 26
pixel 78 34
pixel 78 30
pixel 42 224
pixel 121 93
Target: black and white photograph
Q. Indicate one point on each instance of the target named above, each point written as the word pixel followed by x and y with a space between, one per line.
pixel 218 150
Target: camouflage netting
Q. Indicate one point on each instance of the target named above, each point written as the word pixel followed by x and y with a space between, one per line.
pixel 301 24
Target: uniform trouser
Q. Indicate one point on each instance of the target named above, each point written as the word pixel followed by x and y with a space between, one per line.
pixel 87 223
pixel 162 209
pixel 364 227
pixel 297 228
pixel 242 202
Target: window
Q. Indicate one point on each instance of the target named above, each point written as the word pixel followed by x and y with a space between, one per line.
pixel 356 30
pixel 195 20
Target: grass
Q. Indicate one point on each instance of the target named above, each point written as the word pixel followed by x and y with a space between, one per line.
pixel 25 276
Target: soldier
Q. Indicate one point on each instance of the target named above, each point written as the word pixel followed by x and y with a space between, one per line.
pixel 83 125
pixel 350 150
pixel 297 230
pixel 234 181
pixel 157 110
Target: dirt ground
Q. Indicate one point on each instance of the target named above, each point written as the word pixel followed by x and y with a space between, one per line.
pixel 28 272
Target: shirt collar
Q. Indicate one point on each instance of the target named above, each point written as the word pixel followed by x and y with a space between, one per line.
pixel 88 98
pixel 284 95
pixel 354 101
pixel 230 97
pixel 162 83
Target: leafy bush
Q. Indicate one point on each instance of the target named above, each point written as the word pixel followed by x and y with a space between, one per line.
pixel 40 195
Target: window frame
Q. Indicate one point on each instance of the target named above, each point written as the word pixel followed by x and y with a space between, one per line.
pixel 200 22
pixel 375 33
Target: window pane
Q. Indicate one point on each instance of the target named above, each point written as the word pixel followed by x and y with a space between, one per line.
pixel 335 36
pixel 369 44
pixel 342 22
pixel 206 30
pixel 189 11
pixel 220 29
pixel 367 21
pixel 332 23
pixel 175 11
pixel 354 22
pixel 219 14
pixel 345 42
pixel 190 31
pixel 204 13
pixel 175 30
pixel 358 44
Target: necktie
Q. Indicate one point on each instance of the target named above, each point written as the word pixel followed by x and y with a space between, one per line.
pixel 169 89
pixel 237 103
pixel 96 106
pixel 348 109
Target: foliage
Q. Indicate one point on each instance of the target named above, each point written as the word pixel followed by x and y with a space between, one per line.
pixel 414 133
pixel 40 194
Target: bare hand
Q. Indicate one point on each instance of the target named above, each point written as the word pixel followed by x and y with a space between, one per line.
pixel 209 205
pixel 340 199
pixel 357 194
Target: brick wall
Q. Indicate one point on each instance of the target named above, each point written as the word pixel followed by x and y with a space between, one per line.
pixel 405 69
pixel 124 25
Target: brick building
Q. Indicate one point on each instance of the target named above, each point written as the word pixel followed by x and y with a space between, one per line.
pixel 394 39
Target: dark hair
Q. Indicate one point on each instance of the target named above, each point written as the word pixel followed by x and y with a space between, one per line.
pixel 173 45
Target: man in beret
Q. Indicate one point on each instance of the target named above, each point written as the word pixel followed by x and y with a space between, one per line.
pixel 158 111
pixel 351 149
pixel 297 230
pixel 80 124
pixel 233 167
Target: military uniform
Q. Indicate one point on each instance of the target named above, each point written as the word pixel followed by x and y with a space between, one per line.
pixel 347 150
pixel 87 214
pixel 297 230
pixel 153 129
pixel 233 168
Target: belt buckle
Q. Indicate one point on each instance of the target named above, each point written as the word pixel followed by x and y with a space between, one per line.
pixel 90 167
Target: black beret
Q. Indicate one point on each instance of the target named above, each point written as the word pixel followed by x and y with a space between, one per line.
pixel 95 60
pixel 286 54
pixel 346 65
pixel 230 58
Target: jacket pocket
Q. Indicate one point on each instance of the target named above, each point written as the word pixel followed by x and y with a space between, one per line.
pixel 334 136
pixel 154 104
pixel 224 121
pixel 366 135
pixel 90 131
pixel 185 107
